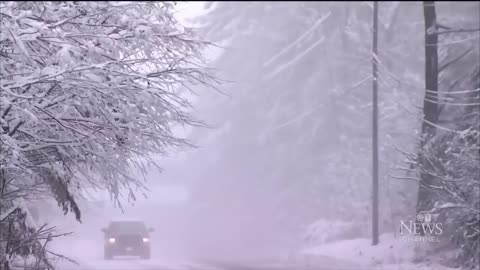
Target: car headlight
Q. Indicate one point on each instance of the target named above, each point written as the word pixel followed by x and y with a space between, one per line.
pixel 111 240
pixel 145 240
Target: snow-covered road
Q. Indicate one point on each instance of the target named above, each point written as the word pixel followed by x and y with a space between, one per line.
pixel 126 263
pixel 89 255
pixel 176 248
pixel 133 264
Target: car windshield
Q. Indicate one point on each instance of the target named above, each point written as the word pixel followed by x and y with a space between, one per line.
pixel 127 226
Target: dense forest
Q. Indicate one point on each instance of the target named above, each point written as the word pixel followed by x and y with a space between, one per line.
pixel 280 147
pixel 296 117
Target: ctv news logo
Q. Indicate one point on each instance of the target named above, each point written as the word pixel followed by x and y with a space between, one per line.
pixel 424 229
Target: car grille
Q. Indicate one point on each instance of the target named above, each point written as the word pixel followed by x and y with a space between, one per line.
pixel 129 240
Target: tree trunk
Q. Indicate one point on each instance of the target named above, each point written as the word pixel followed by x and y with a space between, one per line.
pixel 430 103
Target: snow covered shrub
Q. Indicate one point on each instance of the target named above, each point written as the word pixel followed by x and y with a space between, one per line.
pixel 463 208
pixel 23 245
pixel 454 165
pixel 449 164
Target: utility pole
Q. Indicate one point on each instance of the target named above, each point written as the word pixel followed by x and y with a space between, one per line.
pixel 375 127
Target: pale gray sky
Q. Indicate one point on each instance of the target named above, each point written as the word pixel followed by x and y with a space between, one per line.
pixel 188 10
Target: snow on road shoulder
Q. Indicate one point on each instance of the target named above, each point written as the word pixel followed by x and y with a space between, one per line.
pixel 390 254
pixel 360 250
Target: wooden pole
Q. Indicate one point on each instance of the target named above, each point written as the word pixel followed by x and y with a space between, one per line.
pixel 375 230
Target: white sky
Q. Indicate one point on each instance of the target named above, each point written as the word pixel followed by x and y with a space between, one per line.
pixel 188 10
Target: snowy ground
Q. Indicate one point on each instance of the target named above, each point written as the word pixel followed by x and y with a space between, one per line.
pixel 391 253
pixel 88 253
pixel 170 247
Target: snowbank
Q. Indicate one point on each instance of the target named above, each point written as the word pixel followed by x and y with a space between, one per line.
pixel 390 254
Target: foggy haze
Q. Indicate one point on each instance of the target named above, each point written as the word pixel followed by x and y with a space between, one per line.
pixel 279 173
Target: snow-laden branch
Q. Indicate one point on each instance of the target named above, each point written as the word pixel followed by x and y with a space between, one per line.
pixel 450 103
pixel 454 92
pixel 298 40
pixel 451 31
pixel 294 60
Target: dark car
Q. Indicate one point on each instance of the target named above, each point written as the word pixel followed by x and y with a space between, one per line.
pixel 127 238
